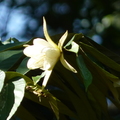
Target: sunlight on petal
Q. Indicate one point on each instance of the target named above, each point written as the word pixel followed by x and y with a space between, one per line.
pixel 47 35
pixel 46 78
pixel 33 64
pixel 66 64
pixel 51 58
pixel 41 43
pixel 62 40
pixel 30 51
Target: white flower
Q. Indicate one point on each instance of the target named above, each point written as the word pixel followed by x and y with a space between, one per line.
pixel 45 54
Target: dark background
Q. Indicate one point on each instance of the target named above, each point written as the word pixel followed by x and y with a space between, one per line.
pixel 97 19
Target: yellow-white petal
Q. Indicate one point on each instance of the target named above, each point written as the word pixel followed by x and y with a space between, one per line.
pixel 32 51
pixel 62 40
pixel 47 35
pixel 41 43
pixel 44 59
pixel 34 64
pixel 51 57
pixel 66 64
pixel 46 78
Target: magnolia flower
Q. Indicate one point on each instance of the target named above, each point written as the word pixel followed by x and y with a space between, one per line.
pixel 45 54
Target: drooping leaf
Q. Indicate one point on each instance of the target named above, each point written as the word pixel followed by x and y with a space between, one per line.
pixel 101 57
pixel 63 109
pixel 99 102
pixel 86 74
pixel 76 96
pixel 104 76
pixel 53 103
pixel 102 49
pixel 81 105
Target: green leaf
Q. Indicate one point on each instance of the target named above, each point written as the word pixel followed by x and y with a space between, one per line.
pixel 2 78
pixel 74 46
pixel 99 101
pixel 53 103
pixel 11 46
pixel 24 114
pixel 100 56
pixel 11 75
pixel 37 78
pixel 10 41
pixel 83 109
pixel 22 68
pixel 15 45
pixel 102 49
pixel 9 58
pixel 86 74
pixel 10 98
pixel 103 77
pixel 63 109
pixel 74 94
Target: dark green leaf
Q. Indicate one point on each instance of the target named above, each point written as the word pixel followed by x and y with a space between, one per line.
pixel 101 57
pixel 24 114
pixel 22 68
pixel 9 58
pixel 86 74
pixel 53 103
pixel 11 46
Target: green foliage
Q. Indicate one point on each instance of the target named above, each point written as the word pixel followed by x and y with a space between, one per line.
pixel 11 95
pixel 68 96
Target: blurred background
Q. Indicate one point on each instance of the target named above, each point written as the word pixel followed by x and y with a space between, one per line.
pixel 97 19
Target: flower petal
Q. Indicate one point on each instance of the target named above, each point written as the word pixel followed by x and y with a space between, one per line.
pixel 29 51
pixel 47 35
pixel 66 64
pixel 46 78
pixel 51 57
pixel 41 43
pixel 34 51
pixel 62 40
pixel 34 64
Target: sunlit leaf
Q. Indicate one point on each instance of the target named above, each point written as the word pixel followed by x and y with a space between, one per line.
pixel 36 79
pixel 10 98
pixel 71 45
pixel 2 78
pixel 11 75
